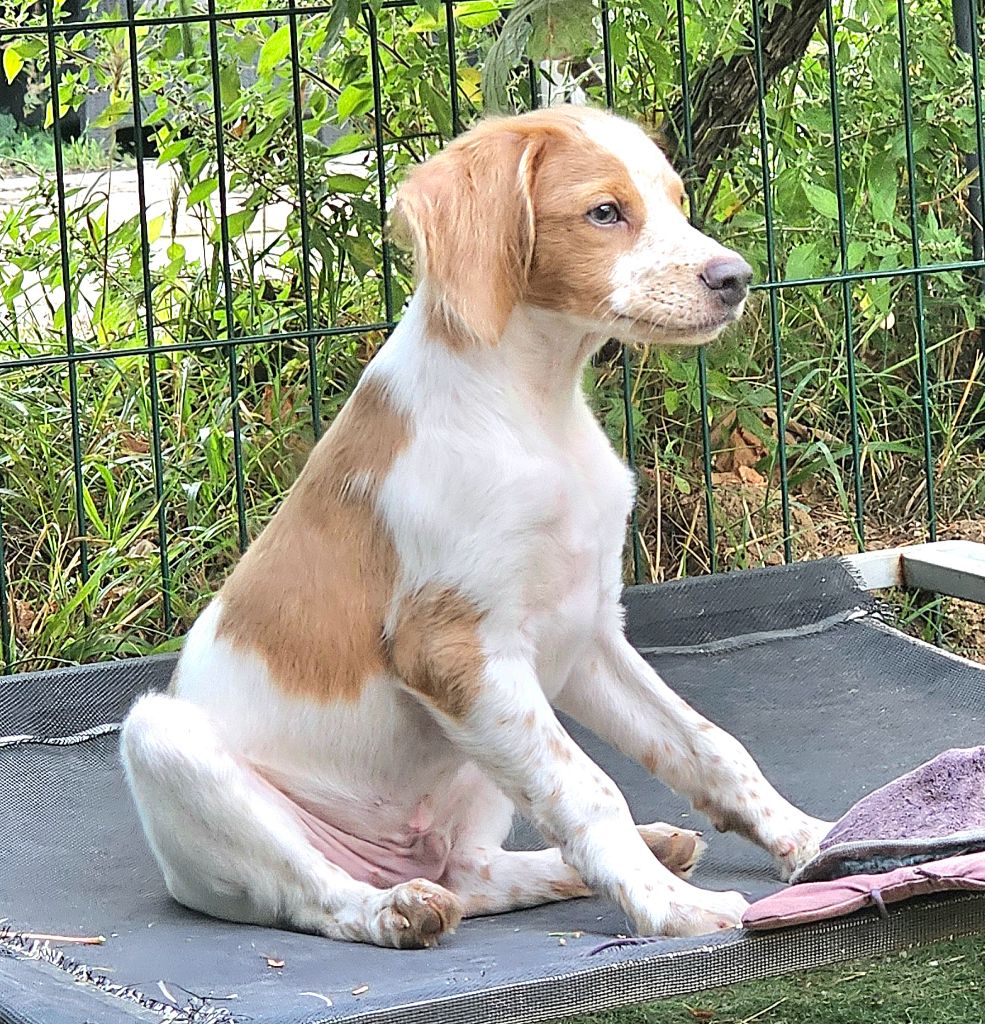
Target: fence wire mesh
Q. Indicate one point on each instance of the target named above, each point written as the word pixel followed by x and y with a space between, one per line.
pixel 194 265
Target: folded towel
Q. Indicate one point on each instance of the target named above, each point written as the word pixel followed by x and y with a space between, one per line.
pixel 934 811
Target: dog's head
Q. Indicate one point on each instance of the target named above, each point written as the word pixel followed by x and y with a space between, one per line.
pixel 569 210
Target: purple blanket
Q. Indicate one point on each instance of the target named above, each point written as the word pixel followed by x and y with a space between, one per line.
pixel 935 811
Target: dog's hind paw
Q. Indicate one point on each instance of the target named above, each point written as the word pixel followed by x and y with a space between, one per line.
pixel 678 849
pixel 416 914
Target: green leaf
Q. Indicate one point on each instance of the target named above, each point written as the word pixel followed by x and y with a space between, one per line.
pixel 878 292
pixel 173 150
pixel 237 224
pixel 803 262
pixel 171 45
pixel 470 85
pixel 822 199
pixel 30 48
pixel 12 63
pixel 361 251
pixel 438 107
pixel 202 191
pixel 113 114
pixel 426 21
pixel 472 14
pixel 505 54
pixel 857 251
pixel 336 22
pixel 346 144
pixel 274 50
pixel 154 228
pixel 883 187
pixel 562 31
pixel 619 41
pixel 197 161
pixel 229 85
pixel 354 99
pixel 477 13
pixel 348 183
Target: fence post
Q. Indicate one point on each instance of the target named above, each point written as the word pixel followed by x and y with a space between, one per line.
pixel 964 35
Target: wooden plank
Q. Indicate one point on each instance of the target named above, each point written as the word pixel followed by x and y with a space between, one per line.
pixel 954 568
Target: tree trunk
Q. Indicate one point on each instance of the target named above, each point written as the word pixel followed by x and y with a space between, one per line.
pixel 724 95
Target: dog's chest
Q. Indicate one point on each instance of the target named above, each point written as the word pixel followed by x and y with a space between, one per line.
pixel 576 568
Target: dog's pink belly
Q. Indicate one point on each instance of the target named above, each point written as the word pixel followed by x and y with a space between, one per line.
pixel 415 851
pixel 383 862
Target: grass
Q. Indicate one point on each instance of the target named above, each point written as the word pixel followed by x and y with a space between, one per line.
pixel 938 984
pixel 25 149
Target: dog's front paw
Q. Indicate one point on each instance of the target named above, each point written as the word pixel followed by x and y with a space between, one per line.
pixel 791 836
pixel 695 911
pixel 676 908
pixel 794 841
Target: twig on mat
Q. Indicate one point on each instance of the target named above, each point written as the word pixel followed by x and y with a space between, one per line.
pixel 76 940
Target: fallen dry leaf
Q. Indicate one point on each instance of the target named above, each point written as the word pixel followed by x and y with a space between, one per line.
pixel 25 615
pixel 271 962
pixel 748 475
pixel 134 443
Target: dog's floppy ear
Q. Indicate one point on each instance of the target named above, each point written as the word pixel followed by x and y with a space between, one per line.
pixel 468 215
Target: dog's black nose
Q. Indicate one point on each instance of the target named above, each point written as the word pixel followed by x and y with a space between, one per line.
pixel 728 277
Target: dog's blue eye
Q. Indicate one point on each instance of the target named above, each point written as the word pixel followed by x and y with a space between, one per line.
pixel 605 213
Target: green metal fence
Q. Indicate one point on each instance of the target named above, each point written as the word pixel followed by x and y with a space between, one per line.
pixel 150 391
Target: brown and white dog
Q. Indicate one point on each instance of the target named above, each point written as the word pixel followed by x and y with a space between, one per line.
pixel 359 711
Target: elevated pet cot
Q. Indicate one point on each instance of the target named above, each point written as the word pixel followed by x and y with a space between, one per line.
pixel 801 662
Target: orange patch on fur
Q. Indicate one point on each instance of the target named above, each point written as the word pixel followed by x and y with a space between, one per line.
pixel 572 888
pixel 435 649
pixel 559 749
pixel 465 214
pixel 572 258
pixel 310 595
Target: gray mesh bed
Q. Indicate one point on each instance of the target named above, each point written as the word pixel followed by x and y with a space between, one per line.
pixel 798 661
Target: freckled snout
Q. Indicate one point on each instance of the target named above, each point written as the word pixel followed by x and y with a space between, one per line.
pixel 728 277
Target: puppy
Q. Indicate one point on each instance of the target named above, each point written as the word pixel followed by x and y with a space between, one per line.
pixel 359 711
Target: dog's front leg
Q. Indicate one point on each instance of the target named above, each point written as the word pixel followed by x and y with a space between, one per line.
pixel 620 697
pixel 499 716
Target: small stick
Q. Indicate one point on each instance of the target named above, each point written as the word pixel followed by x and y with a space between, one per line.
pixel 78 940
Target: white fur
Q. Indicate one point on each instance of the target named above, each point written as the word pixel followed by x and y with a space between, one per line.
pixel 510 494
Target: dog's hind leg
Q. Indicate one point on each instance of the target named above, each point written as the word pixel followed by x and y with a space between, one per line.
pixel 230 848
pixel 491 880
